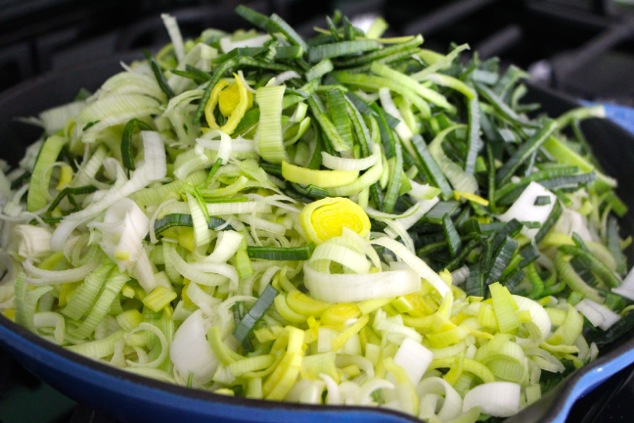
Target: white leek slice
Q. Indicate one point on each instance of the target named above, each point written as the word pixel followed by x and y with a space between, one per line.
pixel 539 316
pixel 627 287
pixel 190 352
pixel 343 288
pixel 448 406
pixel 416 263
pixel 498 399
pixel 269 138
pixel 175 35
pixel 344 163
pixel 32 241
pixel 124 227
pixel 227 44
pixel 598 314
pixel 460 180
pixel 414 358
pixel 153 168
pixel 525 210
pixel 571 222
pixel 226 147
pixel 37 276
pixel 403 131
pixel 55 119
pixel 227 244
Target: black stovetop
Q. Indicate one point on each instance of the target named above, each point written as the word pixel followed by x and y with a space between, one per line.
pixel 584 48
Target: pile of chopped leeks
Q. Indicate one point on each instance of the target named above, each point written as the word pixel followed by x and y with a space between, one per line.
pixel 346 219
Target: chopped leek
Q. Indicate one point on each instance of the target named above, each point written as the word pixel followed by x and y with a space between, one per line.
pixel 345 219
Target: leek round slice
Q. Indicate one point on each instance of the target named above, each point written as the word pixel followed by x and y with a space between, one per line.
pixel 499 399
pixel 326 218
pixel 344 288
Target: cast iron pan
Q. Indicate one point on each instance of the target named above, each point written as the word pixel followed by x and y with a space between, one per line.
pixel 133 399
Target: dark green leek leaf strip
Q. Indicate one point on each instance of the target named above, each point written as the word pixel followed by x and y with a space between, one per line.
pixel 261 306
pixel 396 59
pixel 501 260
pixel 522 153
pixel 349 31
pixel 474 285
pixel 509 79
pixel 218 73
pixel 182 219
pixel 334 31
pixel 158 75
pixel 271 168
pixel 339 115
pixel 529 254
pixel 384 55
pixel 195 74
pixel 394 154
pixel 315 159
pixel 459 260
pixel 513 279
pixel 366 109
pixel 279 253
pixel 387 135
pixel 248 122
pixel 504 110
pixel 376 195
pixel 509 230
pixel 492 194
pixel 441 210
pixel 360 129
pixel 249 61
pixel 542 200
pixel 331 137
pixel 488 129
pixel 127 156
pixel 579 242
pixel 451 234
pixel 593 264
pixel 256 18
pixel 429 166
pixel 572 181
pixel 237 53
pixel 341 48
pixel 432 247
pixel 70 191
pixel 539 176
pixel 239 311
pixel 311 191
pixel 280 25
pixel 550 222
